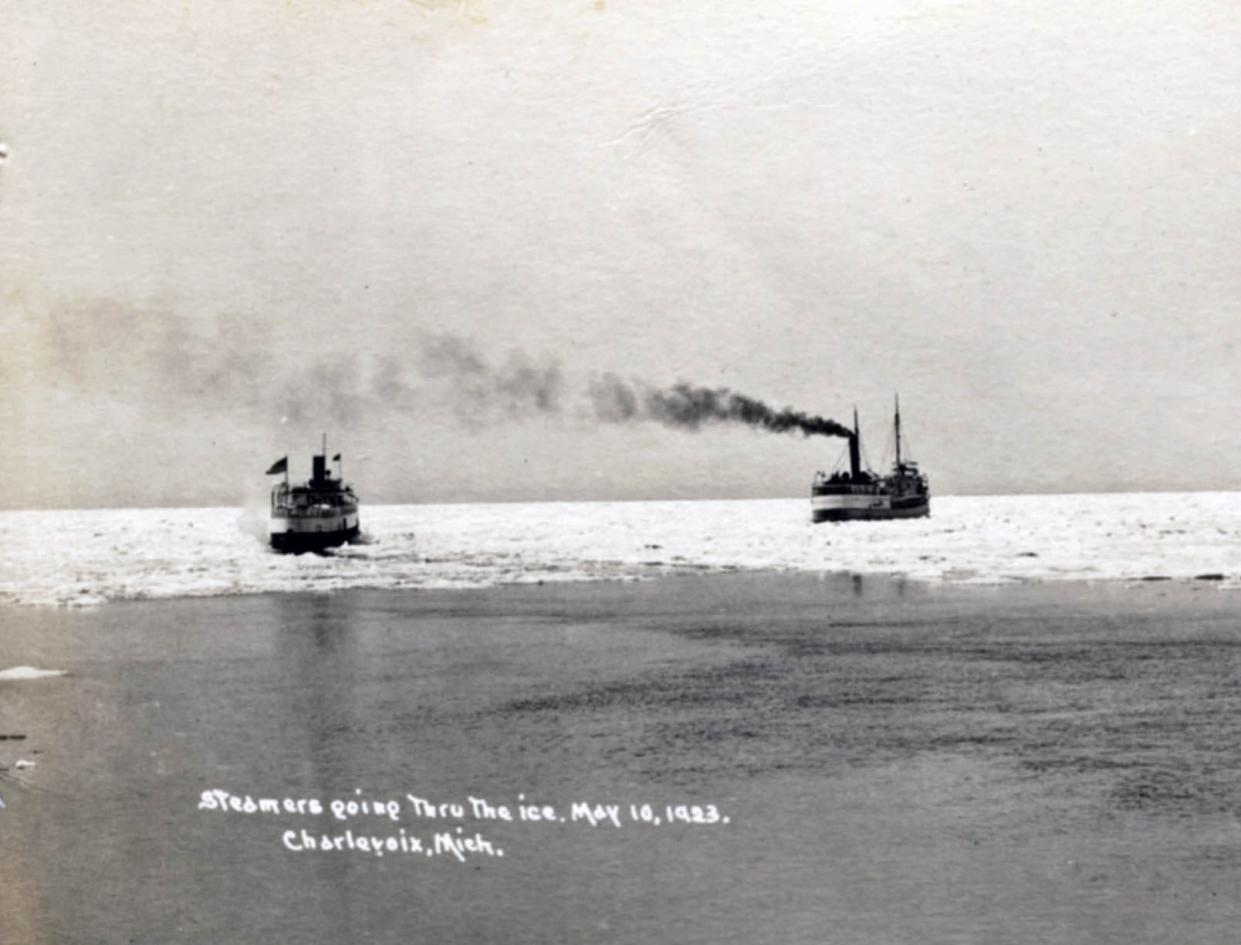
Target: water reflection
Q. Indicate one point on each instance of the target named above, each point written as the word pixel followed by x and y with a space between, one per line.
pixel 316 647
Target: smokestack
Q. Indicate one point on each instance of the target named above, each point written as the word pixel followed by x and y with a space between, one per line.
pixel 320 468
pixel 897 427
pixel 855 449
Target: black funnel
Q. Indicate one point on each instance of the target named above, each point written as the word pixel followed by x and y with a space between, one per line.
pixel 855 449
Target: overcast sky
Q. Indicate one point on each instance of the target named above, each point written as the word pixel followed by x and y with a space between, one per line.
pixel 228 227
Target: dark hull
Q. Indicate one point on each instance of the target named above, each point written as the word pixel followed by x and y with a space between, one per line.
pixel 301 542
pixel 920 510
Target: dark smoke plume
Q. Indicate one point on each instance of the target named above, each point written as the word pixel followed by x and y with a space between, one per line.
pixel 686 407
pixel 224 366
pixel 479 389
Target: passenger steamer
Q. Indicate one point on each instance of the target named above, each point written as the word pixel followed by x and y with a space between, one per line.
pixel 862 494
pixel 322 513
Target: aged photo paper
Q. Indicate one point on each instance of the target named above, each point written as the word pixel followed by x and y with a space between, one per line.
pixel 617 472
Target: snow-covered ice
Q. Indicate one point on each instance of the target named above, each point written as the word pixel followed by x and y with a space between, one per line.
pixel 80 558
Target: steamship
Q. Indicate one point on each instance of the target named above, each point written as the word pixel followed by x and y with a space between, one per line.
pixel 322 513
pixel 862 494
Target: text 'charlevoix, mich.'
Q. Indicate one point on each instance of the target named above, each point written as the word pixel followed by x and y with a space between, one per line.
pixel 459 836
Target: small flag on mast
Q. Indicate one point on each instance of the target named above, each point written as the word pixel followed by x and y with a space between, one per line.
pixel 279 466
pixel 336 458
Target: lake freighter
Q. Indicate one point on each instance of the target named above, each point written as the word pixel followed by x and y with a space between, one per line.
pixel 321 514
pixel 862 494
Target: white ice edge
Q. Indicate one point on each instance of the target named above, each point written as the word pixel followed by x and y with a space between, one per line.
pixel 16 673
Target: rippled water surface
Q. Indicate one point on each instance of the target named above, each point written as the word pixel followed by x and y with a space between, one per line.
pixel 901 762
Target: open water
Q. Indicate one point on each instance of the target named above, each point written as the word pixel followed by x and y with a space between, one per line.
pixel 900 762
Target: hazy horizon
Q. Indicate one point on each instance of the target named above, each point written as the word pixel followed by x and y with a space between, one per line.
pixel 253 500
pixel 431 228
